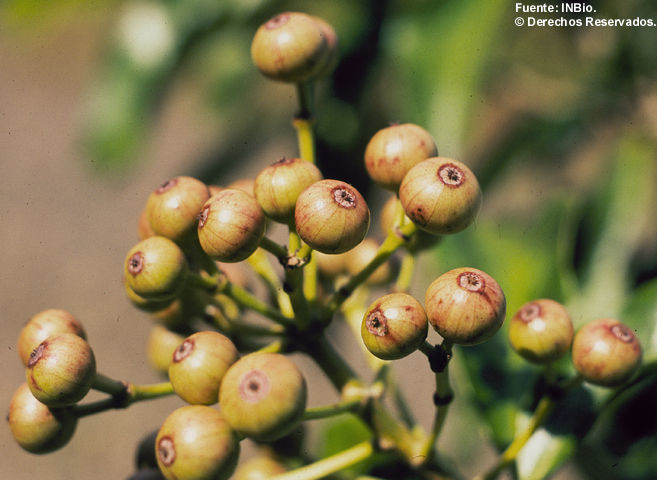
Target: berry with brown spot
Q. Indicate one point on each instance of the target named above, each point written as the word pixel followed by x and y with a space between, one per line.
pixel 394 326
pixel 231 225
pixel 61 370
pixel 196 443
pixel 465 306
pixel 606 352
pixel 331 216
pixel 541 331
pixel 155 269
pixel 199 364
pixel 440 195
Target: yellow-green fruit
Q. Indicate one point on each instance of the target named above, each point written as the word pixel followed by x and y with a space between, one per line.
pixel 278 186
pixel 37 428
pixel 394 150
pixel 290 47
pixel 199 364
pixel 155 269
pixel 196 443
pixel 160 346
pixel 145 304
pixel 231 225
pixel 144 229
pixel 172 209
pixel 606 352
pixel 43 325
pixel 263 396
pixel 262 467
pixel 541 331
pixel 394 326
pixel 465 306
pixel 331 216
pixel 440 195
pixel 61 370
pixel 331 265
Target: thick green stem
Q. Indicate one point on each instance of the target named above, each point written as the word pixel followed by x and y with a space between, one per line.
pixel 274 248
pixel 389 246
pixel 405 273
pixel 330 465
pixel 331 363
pixel 260 264
pixel 247 300
pixel 105 384
pixel 122 399
pixel 326 411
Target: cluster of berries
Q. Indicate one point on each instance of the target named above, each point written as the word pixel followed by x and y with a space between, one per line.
pixel 191 234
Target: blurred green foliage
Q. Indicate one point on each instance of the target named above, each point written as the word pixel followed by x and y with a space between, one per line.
pixel 560 125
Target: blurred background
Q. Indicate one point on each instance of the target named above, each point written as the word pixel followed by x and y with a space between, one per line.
pixel 102 101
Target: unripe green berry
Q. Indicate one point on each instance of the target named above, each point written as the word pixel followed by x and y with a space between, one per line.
pixel 394 150
pixel 278 186
pixel 196 443
pixel 465 306
pixel 43 325
pixel 199 364
pixel 231 225
pixel 290 47
pixel 160 346
pixel 144 229
pixel 263 396
pixel 440 195
pixel 541 331
pixel 155 269
pixel 262 467
pixel 244 184
pixel 331 216
pixel 61 370
pixel 36 427
pixel 606 352
pixel 172 209
pixel 394 326
pixel 331 265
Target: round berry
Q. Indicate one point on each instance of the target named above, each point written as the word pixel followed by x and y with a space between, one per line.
pixel 262 467
pixel 331 216
pixel 465 306
pixel 61 370
pixel 606 352
pixel 278 186
pixel 332 45
pixel 231 225
pixel 394 326
pixel 43 325
pixel 37 428
pixel 331 265
pixel 394 150
pixel 196 443
pixel 290 47
pixel 244 184
pixel 172 209
pixel 199 364
pixel 541 331
pixel 160 346
pixel 145 304
pixel 263 396
pixel 155 269
pixel 440 195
